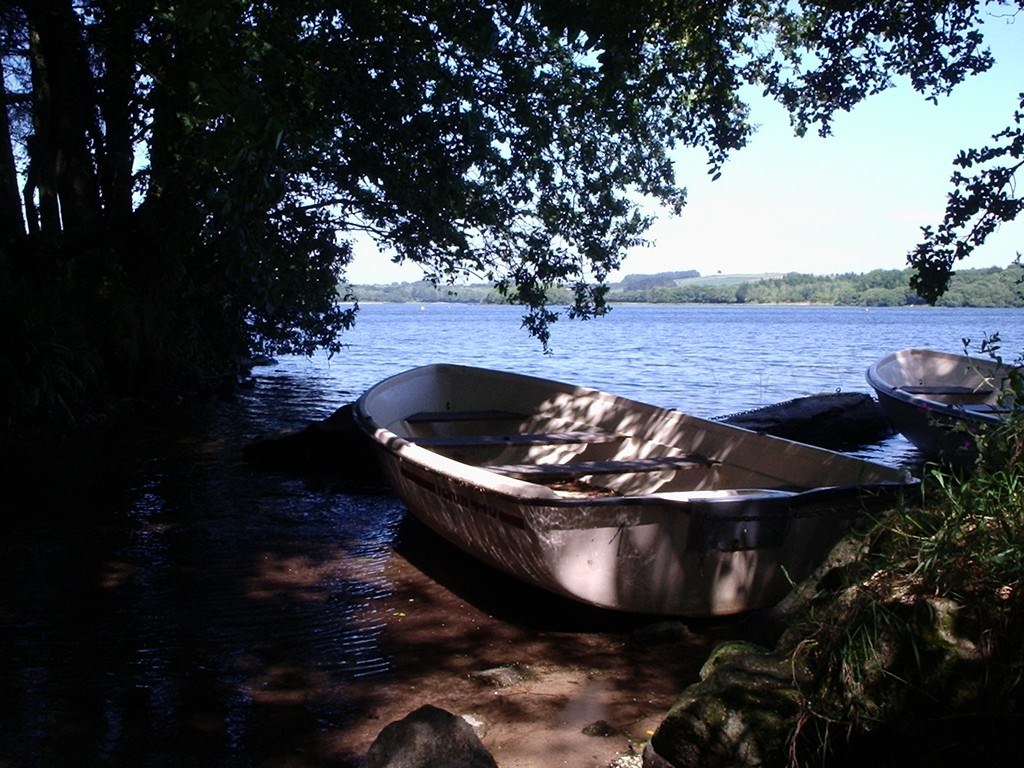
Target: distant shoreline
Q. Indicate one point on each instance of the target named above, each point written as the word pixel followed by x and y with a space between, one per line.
pixel 991 287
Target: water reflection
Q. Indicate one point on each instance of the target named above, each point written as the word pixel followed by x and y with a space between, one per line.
pixel 165 606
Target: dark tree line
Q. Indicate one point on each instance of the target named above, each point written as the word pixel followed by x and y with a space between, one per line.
pixel 989 287
pixel 179 180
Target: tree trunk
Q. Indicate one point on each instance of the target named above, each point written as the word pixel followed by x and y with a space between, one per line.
pixel 40 176
pixel 117 42
pixel 62 83
pixel 12 223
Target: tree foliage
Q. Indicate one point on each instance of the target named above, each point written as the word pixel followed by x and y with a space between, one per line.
pixel 180 181
pixel 984 195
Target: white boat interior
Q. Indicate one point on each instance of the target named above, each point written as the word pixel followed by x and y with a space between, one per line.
pixel 576 440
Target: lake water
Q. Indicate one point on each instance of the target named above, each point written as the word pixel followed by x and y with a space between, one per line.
pixel 706 360
pixel 165 604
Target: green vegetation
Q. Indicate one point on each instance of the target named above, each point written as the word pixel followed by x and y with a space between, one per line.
pixel 993 287
pixel 916 648
pixel 878 288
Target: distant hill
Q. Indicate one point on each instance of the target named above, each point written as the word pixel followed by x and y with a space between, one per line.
pixel 630 283
pixel 659 280
pixel 689 277
pixel 991 287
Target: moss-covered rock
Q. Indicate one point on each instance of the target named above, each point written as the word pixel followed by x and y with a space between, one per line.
pixel 739 714
pixel 861 672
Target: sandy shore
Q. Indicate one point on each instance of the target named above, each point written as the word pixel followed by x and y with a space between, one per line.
pixel 544 682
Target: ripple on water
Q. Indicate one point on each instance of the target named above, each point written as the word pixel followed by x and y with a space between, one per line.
pixel 184 596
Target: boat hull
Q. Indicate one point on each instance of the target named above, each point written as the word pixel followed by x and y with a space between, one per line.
pixel 669 546
pixel 657 558
pixel 940 401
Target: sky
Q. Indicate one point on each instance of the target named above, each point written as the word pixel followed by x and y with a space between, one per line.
pixel 852 202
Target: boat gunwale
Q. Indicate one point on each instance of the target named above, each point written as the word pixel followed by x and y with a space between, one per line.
pixel 718 554
pixel 901 393
pixel 523 491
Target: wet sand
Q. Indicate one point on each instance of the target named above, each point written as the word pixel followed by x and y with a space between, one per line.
pixel 545 682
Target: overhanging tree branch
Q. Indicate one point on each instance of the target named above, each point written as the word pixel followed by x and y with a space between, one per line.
pixel 984 196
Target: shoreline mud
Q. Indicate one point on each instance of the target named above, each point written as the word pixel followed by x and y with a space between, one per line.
pixel 543 681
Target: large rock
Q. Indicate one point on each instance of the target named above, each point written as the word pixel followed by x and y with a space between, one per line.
pixel 429 737
pixel 739 714
pixel 891 697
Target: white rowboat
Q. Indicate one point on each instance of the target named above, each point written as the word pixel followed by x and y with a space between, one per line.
pixel 610 501
pixel 927 395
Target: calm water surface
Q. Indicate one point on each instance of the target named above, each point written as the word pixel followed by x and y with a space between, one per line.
pixel 164 604
pixel 709 361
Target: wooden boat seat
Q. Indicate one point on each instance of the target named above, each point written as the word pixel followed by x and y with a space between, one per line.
pixel 439 417
pixel 543 438
pixel 581 468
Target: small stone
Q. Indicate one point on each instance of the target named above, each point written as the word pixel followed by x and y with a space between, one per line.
pixel 600 728
pixel 502 677
pixel 663 633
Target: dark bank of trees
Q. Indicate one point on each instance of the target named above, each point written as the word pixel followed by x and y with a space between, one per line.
pixel 992 287
pixel 179 180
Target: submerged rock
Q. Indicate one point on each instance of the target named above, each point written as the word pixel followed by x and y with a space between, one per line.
pixel 505 676
pixel 428 737
pixel 601 728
